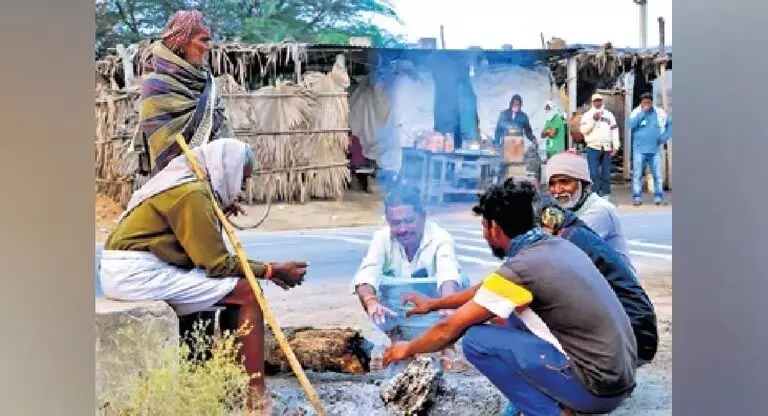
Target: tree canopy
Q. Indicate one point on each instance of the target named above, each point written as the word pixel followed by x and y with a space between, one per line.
pixel 252 21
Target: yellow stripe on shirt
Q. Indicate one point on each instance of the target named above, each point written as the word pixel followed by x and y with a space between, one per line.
pixel 501 286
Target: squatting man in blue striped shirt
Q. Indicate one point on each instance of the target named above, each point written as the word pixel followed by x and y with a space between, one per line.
pixel 545 328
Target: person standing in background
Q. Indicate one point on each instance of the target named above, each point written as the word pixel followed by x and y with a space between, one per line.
pixel 554 130
pixel 514 122
pixel 651 128
pixel 513 118
pixel 601 136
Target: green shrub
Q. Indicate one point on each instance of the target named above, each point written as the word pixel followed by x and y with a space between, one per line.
pixel 168 384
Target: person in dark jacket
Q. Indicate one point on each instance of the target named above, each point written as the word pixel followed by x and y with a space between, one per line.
pixel 613 266
pixel 514 122
pixel 513 118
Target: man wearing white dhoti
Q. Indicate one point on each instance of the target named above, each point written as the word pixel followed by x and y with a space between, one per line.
pixel 168 246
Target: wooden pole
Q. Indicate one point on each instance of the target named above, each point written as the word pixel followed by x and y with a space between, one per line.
pixel 127 55
pixel 442 36
pixel 573 75
pixel 663 65
pixel 629 90
pixel 270 318
pixel 664 99
pixel 643 8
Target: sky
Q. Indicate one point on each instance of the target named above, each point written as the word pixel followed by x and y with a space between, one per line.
pixel 492 23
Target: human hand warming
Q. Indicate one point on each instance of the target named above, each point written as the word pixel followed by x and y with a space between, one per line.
pixel 596 116
pixel 399 351
pixel 234 210
pixel 378 312
pixel 422 305
pixel 289 274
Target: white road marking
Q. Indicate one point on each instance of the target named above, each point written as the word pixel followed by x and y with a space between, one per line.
pixel 482 248
pixel 650 254
pixel 476 260
pixel 339 238
pixel 453 230
pixel 465 259
pixel 641 243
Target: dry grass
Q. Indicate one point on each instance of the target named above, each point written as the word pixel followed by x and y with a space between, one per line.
pixel 303 154
pixel 115 162
pixel 168 384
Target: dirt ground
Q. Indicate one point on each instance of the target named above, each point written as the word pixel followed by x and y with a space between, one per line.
pixel 332 305
pixel 323 305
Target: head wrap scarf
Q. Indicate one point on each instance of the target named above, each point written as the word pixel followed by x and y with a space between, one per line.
pixel 553 110
pixel 223 161
pixel 180 28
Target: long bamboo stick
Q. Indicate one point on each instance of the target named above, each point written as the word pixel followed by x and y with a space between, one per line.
pixel 270 318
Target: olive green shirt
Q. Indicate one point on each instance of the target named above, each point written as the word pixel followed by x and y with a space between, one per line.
pixel 180 227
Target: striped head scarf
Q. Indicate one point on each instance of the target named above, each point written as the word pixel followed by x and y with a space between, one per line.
pixel 180 28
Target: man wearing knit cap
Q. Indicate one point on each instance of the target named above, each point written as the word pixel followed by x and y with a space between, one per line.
pixel 601 136
pixel 570 184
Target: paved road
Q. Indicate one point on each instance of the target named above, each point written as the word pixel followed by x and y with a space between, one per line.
pixel 336 253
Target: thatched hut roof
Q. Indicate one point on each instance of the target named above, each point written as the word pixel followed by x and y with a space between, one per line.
pixel 249 64
pixel 252 64
pixel 602 67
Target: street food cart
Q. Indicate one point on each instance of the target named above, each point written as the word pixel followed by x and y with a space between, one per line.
pixel 438 170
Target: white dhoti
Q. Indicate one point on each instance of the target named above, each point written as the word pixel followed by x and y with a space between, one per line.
pixel 141 276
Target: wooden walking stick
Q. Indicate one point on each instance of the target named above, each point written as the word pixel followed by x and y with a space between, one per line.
pixel 270 318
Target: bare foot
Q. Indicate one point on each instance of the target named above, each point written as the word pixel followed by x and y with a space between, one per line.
pixel 452 362
pixel 259 404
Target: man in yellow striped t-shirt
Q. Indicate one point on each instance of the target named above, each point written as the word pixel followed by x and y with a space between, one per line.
pixel 561 341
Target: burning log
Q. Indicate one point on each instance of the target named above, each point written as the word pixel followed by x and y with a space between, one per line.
pixel 413 392
pixel 339 350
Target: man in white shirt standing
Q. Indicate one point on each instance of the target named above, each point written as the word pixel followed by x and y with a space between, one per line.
pixel 601 137
pixel 409 255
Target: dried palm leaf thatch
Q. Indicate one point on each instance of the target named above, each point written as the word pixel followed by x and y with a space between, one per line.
pixel 278 111
pixel 330 146
pixel 237 101
pixel 243 61
pixel 116 120
pixel 246 63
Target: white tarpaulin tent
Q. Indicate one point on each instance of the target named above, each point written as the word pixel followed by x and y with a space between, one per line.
pixel 495 86
pixel 369 109
pixel 386 116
